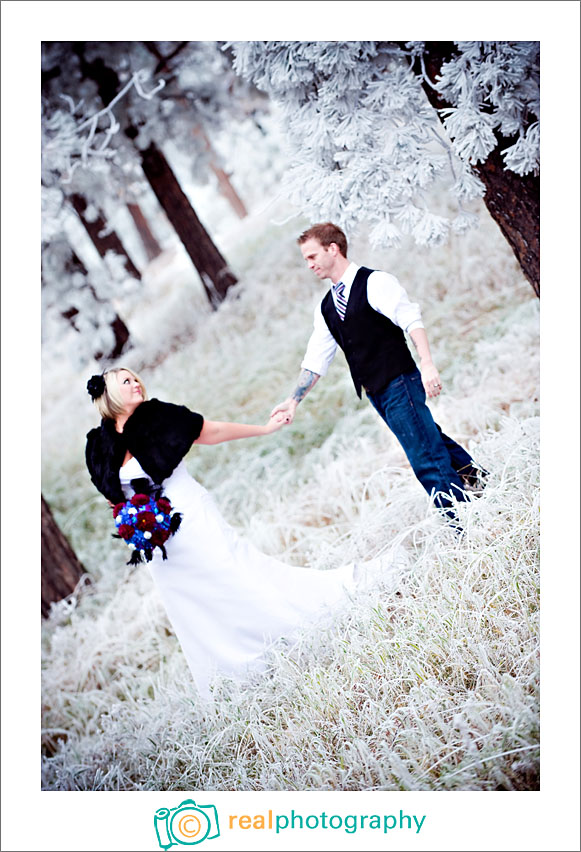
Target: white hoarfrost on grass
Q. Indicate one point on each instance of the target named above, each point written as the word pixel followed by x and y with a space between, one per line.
pixel 430 683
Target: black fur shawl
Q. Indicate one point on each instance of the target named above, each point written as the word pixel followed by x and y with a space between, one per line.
pixel 158 434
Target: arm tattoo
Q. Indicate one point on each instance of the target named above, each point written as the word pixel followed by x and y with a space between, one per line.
pixel 306 381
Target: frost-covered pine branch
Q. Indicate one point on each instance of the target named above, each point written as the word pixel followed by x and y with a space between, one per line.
pixel 494 86
pixel 70 141
pixel 365 145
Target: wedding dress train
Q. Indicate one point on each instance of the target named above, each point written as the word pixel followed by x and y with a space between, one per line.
pixel 225 599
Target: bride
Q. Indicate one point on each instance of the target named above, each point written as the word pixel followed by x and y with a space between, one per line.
pixel 225 600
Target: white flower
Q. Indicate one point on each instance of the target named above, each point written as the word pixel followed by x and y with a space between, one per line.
pixel 159 518
pixel 146 535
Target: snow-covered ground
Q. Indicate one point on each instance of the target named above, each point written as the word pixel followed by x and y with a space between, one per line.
pixel 432 685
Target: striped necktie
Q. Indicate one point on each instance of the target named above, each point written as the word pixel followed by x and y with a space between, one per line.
pixel 340 300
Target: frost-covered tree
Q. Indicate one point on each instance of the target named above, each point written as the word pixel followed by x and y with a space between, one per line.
pixel 365 142
pixel 103 237
pixel 79 170
pixel 81 299
pixel 109 109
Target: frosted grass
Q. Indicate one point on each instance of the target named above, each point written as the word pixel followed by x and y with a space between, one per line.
pixel 428 683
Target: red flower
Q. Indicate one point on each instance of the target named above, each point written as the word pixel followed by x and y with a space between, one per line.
pixel 164 505
pixel 159 537
pixel 117 509
pixel 140 499
pixel 145 521
pixel 126 531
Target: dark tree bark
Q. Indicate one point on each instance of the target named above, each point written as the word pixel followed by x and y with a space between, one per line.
pixel 121 333
pixel 61 570
pixel 215 273
pixel 512 201
pixel 118 327
pixel 150 244
pixel 102 242
pixel 514 204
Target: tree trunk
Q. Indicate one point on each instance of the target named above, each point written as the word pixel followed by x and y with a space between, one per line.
pixel 213 270
pixel 150 244
pixel 512 201
pixel 103 242
pixel 224 183
pixel 118 327
pixel 514 204
pixel 228 191
pixel 61 571
pixel 121 333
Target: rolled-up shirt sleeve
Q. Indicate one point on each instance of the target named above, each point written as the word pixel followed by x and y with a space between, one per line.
pixel 386 295
pixel 321 347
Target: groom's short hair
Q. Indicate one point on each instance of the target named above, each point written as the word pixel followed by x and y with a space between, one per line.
pixel 326 233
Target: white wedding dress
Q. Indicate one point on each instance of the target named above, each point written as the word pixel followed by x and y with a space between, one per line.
pixel 227 601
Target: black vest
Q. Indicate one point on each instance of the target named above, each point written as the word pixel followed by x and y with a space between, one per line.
pixel 375 348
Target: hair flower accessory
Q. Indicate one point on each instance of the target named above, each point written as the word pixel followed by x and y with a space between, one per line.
pixel 96 386
pixel 145 522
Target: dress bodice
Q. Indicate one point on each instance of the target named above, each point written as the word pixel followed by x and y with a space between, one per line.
pixel 131 470
pixel 127 473
pixel 179 487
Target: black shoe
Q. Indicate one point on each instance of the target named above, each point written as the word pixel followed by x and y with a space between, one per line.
pixel 474 479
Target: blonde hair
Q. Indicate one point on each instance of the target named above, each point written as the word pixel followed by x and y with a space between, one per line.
pixel 110 404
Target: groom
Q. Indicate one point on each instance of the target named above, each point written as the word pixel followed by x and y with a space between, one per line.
pixel 366 313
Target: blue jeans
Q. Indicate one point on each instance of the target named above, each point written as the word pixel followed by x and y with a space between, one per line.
pixel 434 457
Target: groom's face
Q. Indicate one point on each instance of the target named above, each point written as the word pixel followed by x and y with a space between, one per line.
pixel 319 258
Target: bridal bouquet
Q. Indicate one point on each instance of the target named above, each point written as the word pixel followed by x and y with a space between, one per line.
pixel 145 522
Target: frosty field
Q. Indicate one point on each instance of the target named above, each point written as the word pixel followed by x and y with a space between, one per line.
pixel 430 683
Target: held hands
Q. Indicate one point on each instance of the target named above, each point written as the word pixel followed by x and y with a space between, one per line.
pixel 286 409
pixel 276 422
pixel 280 416
pixel 430 379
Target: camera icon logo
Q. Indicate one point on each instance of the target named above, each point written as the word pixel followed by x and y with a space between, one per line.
pixel 186 825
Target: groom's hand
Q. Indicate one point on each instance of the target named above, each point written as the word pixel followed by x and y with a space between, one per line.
pixel 430 379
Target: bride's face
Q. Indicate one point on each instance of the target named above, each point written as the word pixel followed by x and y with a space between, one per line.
pixel 130 390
